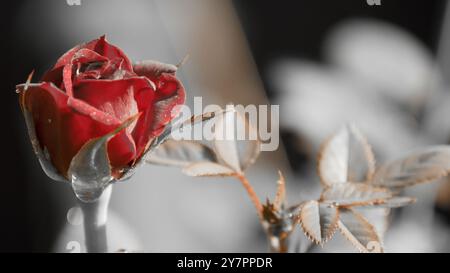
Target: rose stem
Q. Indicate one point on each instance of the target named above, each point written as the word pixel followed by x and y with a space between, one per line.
pixel 282 242
pixel 95 215
pixel 252 194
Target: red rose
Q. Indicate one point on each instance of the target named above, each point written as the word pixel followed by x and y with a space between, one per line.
pixel 91 90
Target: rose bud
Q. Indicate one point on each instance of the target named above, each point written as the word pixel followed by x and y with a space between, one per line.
pixel 94 115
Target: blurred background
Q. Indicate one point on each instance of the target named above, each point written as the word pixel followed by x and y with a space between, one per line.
pixel 383 67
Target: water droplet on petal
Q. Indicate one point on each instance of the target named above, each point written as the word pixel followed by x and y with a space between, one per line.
pixel 75 216
pixel 89 191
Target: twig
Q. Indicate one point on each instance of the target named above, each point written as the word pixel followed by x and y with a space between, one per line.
pixel 252 194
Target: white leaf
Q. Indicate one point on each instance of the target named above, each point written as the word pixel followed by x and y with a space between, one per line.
pixel 232 140
pixel 180 153
pixel 357 230
pixel 346 156
pixel 354 194
pixel 319 221
pixel 419 167
pixel 249 147
pixel 225 142
pixel 393 202
pixel 164 136
pixel 377 216
pixel 396 202
pixel 280 197
pixel 179 126
pixel 207 169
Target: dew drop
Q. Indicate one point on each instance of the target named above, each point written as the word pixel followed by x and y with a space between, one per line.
pixel 75 216
pixel 90 191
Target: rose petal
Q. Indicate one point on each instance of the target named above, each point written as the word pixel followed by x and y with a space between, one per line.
pixel 102 93
pixel 86 55
pixel 62 132
pixel 102 47
pixel 67 57
pixel 153 69
pixel 168 86
pixel 82 56
pixel 97 93
pixel 77 58
pixel 54 76
pixel 67 79
pixel 170 94
pixel 94 113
